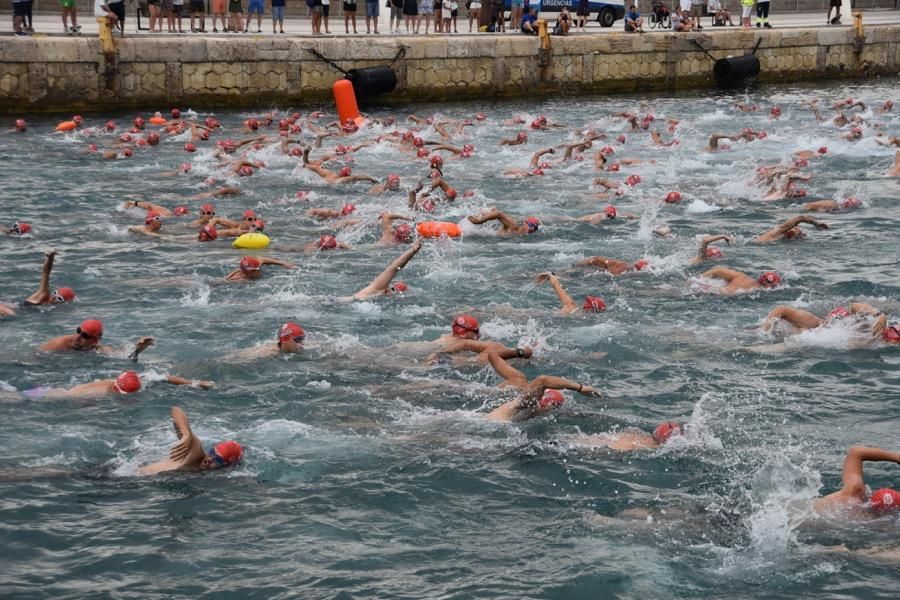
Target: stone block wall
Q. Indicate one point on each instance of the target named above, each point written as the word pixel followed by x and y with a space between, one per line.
pixel 70 73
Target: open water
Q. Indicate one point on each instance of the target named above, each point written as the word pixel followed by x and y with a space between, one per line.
pixel 369 474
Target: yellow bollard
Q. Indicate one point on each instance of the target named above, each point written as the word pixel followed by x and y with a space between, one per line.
pixel 107 45
pixel 542 33
pixel 858 24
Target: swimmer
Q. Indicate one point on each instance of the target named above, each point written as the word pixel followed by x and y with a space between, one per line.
pixel 331 213
pixel 43 295
pixel 611 265
pixel 391 184
pixel 206 212
pixel 127 382
pixel 382 285
pixel 222 191
pixel 391 234
pixel 325 242
pixel 850 501
pixel 464 336
pixel 87 338
pixel 713 144
pixel 810 154
pixel 152 224
pixel 481 348
pixel 886 107
pixel 508 226
pixel 704 252
pixel 245 224
pixel 250 268
pixel 290 338
pixel 832 206
pixel 627 441
pixel 789 230
pixel 867 320
pixel 609 214
pixel 591 303
pixel 537 397
pixel 891 141
pixel 521 138
pixel 343 176
pixel 657 140
pixel 187 453
pixel 737 282
pixel 18 229
pixel 256 225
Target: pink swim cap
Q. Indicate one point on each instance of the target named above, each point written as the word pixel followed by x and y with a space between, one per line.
pixel 20 125
pixel 345 172
pixel 207 233
pixel 127 383
pixel 189 147
pixel 327 242
pixel 673 197
pixel 769 279
pixel 250 263
pixel 884 499
pixel 713 252
pixel 463 325
pixel 610 212
pixel 551 399
pixel 666 430
pixel 594 304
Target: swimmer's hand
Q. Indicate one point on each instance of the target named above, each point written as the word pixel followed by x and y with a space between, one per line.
pixel 50 253
pixel 821 225
pixel 142 344
pixel 587 390
pixel 206 385
pixel 542 277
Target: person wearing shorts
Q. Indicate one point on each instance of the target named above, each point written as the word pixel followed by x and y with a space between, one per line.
pixel 746 7
pixel 118 8
pixel 235 14
pixel 278 15
pixel 255 7
pixel 474 8
pixel 426 12
pixel 168 13
pixel 835 4
pixel 19 12
pixel 515 14
pixel 177 9
pixel 396 15
pixel 697 13
pixel 218 12
pixel 315 15
pixel 410 13
pixel 349 16
pixel 372 14
pixel 583 12
pixel 198 9
pixel 69 9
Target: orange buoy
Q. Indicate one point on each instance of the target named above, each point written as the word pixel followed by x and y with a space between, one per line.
pixel 157 121
pixel 436 229
pixel 345 100
pixel 66 126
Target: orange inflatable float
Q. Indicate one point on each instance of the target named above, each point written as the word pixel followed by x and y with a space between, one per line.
pixel 436 229
pixel 66 126
pixel 345 100
pixel 157 121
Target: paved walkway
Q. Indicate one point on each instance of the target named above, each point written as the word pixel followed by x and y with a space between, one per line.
pixel 52 24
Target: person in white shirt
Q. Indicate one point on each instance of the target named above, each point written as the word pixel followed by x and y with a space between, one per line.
pixel 102 10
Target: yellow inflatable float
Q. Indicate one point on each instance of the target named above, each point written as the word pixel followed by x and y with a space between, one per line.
pixel 251 241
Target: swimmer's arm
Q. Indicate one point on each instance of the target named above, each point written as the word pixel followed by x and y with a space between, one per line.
pixel 176 380
pixel 440 183
pixel 559 383
pixel 861 308
pixel 216 221
pixel 705 242
pixel 510 374
pixel 187 443
pixel 355 178
pixel 722 273
pixel 568 305
pixel 810 220
pixel 381 283
pixel 274 261
pixel 149 206
pixel 141 345
pixel 852 475
pixel 143 231
pixel 536 157
pixel 820 205
pixel 44 288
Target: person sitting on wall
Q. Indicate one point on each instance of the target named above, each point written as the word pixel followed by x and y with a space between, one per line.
pixel 529 22
pixel 682 22
pixel 563 22
pixel 633 20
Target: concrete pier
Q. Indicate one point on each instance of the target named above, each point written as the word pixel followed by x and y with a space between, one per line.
pixel 69 73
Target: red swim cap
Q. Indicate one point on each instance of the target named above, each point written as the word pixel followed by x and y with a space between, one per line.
pixel 533 224
pixel 666 430
pixel 180 211
pixel 93 148
pixel 607 150
pixel 840 312
pixel 613 167
pixel 295 152
pixel 141 142
pixel 327 242
pixel 418 142
pixel 468 148
pixel 207 209
pixel 250 263
pixel 465 324
pixel 291 331
pixel 428 205
pixel 127 383
pixel 436 160
pixel 176 113
pixel 398 287
pixel 78 119
pixel 19 228
pixel 127 152
pixel 633 180
pixel 347 209
pixel 673 197
pixel 884 499
pixel 138 122
pixel 21 125
pixel 284 125
pixel 153 138
pixel 207 233
pixel 229 452
pixel 125 137
pixel 551 399
pixel 204 135
pixel 421 153
pixel 610 212
pixel 480 116
pixel 302 195
pixel 776 110
pixel 641 264
pixel 801 162
pixel 151 217
pixel 621 138
pixel 521 137
pixel 537 172
pixel 594 304
pixel 211 122
pixel 245 171
pixel 257 225
pixel 468 193
pixel 451 194
pixel 769 279
pixel 92 328
pixel 822 150
pixel 713 252
pixel 393 180
pixel 542 120
pixel 345 172
pixel 63 294
pixel 891 334
pixel 249 215
pixel 189 147
pixel 851 202
pixel 535 124
pixel 252 124
pixel 403 232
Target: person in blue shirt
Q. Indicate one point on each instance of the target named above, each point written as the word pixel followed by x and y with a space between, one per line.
pixel 529 22
pixel 633 20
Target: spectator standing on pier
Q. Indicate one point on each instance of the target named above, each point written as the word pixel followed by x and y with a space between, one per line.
pixel 583 12
pixel 315 15
pixel 426 11
pixel 697 13
pixel 177 8
pixel 515 14
pixel 396 15
pixel 19 11
pixel 69 9
pixel 410 14
pixel 349 16
pixel 235 14
pixel 198 11
pixel 326 10
pixel 762 14
pixel 746 7
pixel 474 8
pixel 255 7
pixel 497 17
pixel 218 12
pixel 373 14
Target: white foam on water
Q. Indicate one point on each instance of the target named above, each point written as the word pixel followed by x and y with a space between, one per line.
pixel 198 296
pixel 699 207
